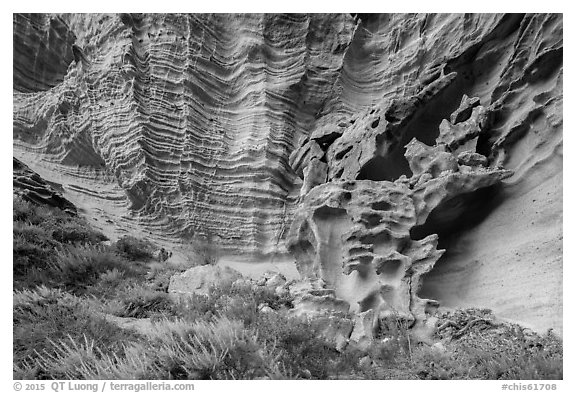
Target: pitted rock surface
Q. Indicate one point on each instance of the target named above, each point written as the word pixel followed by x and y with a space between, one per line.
pixel 357 235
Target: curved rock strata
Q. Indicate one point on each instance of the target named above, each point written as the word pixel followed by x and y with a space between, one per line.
pixel 228 130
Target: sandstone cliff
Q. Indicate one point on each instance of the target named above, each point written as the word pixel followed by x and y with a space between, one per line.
pixel 357 146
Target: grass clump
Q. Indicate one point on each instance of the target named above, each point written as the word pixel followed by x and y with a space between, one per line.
pixel 141 301
pixel 219 349
pixel 135 249
pixel 43 316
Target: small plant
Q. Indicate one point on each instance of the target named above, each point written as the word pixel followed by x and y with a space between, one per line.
pixel 135 249
pixel 140 301
pixel 80 267
pixel 77 232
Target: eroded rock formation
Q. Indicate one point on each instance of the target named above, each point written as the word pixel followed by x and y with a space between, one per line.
pixel 367 143
pixel 358 235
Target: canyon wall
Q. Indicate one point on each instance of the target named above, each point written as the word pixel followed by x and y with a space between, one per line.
pixel 244 132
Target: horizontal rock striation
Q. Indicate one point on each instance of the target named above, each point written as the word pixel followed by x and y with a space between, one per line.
pixel 194 115
pixel 230 129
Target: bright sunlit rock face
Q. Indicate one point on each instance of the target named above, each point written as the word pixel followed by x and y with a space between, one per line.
pixel 362 146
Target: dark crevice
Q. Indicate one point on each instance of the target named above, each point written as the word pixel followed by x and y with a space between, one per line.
pixel 342 153
pixel 326 140
pixel 425 125
pixel 381 206
pixel 484 144
pixel 371 219
pixel 382 237
pixel 327 212
pixel 388 168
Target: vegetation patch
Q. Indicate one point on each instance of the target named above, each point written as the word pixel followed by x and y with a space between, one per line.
pixel 134 249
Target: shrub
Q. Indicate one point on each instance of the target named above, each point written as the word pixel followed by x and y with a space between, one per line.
pixel 61 226
pixel 215 349
pixel 79 267
pixel 75 231
pixel 495 350
pixel 302 352
pixel 477 348
pixel 113 284
pixel 141 301
pixel 135 249
pixel 33 248
pixel 74 268
pixel 81 358
pixel 43 237
pixel 36 215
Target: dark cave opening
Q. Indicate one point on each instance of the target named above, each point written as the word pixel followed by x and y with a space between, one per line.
pixel 423 125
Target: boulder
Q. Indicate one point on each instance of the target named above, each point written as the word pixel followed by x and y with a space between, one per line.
pixel 199 279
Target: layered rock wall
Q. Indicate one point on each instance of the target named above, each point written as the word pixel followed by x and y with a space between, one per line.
pixel 226 129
